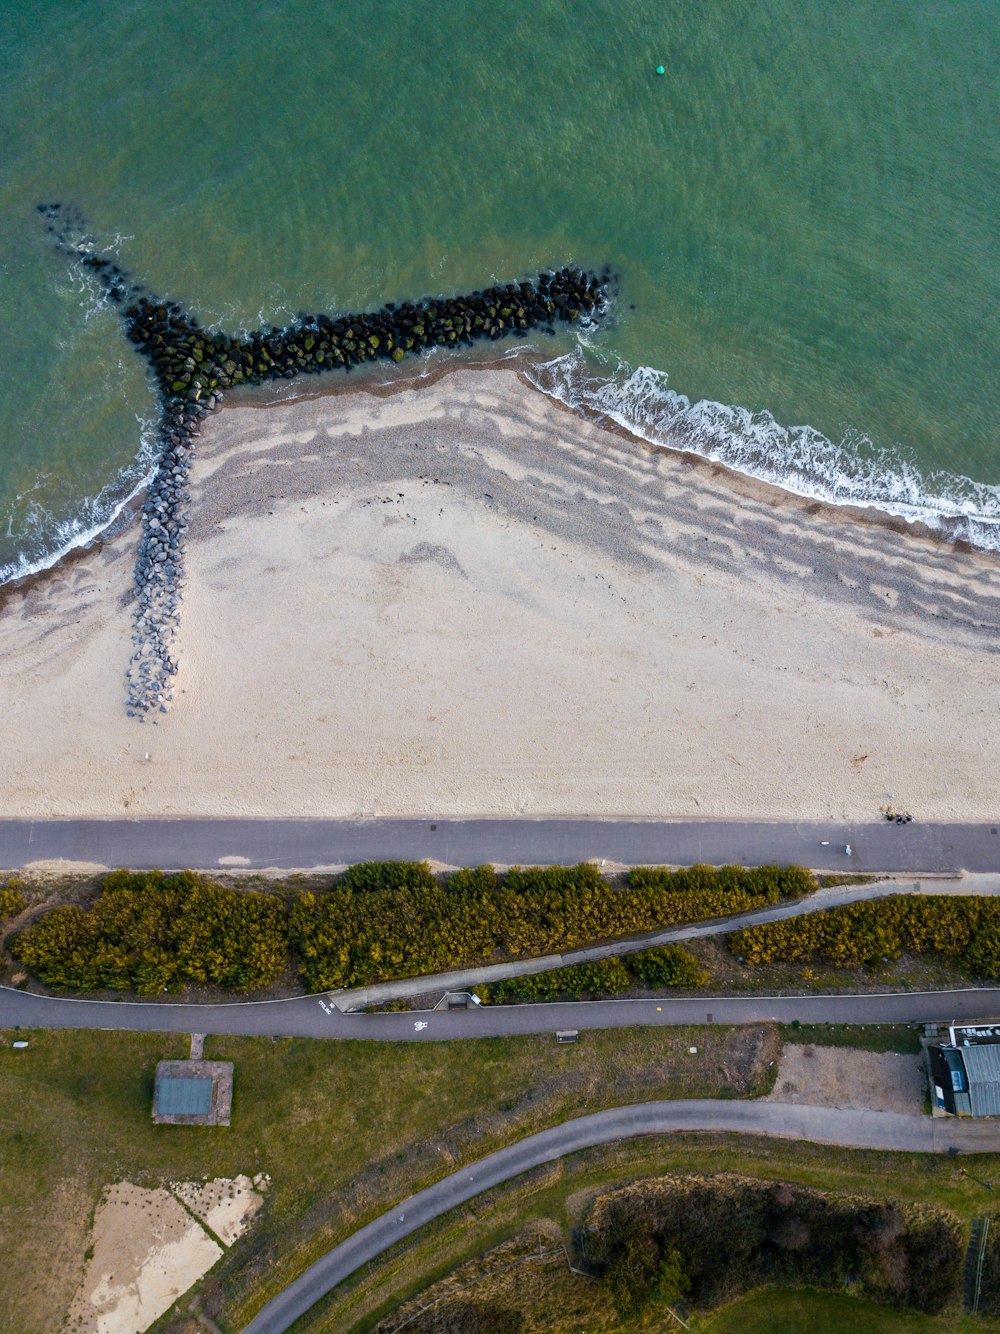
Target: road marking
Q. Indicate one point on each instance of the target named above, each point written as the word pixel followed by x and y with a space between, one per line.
pixel 419 1025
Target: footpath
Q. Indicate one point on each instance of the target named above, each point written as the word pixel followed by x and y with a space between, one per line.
pixel 464 979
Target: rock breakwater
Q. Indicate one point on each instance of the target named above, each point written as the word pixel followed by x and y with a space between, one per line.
pixel 193 367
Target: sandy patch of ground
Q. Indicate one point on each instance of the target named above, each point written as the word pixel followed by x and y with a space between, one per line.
pixel 146 1250
pixel 226 1207
pixel 461 599
pixel 844 1077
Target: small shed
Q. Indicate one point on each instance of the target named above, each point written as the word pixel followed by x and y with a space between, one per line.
pixel 193 1093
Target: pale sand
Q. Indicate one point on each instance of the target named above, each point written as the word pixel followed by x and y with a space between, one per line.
pixel 227 1206
pixel 459 598
pixel 146 1250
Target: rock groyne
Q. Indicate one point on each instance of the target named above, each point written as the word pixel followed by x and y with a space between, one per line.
pixel 193 367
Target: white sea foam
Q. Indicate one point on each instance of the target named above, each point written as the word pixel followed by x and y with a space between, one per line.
pixel 798 458
pixel 46 539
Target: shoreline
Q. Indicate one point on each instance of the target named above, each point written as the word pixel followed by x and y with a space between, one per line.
pixel 409 377
pixel 455 597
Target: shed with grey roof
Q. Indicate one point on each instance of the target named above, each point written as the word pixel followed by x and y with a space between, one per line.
pixel 982 1065
pixel 193 1093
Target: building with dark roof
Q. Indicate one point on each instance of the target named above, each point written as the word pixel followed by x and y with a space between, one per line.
pixel 965 1071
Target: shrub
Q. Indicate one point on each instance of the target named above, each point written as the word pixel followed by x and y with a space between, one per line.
pixel 666 966
pixel 965 927
pixel 149 931
pixel 717 1237
pixel 401 923
pixel 605 977
pixel 12 900
pixel 381 920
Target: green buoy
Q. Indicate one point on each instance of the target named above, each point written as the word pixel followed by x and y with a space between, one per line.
pixel 660 69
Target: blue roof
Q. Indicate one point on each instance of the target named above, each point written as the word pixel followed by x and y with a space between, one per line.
pixel 180 1096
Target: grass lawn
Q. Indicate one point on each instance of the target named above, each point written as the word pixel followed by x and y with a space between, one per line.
pixel 343 1129
pixel 903 1038
pixel 803 1311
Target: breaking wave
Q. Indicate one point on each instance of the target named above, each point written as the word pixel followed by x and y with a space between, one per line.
pixel 43 539
pixel 798 458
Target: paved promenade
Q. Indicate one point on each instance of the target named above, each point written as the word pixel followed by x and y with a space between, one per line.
pixel 319 1017
pixel 305 844
pixel 820 1125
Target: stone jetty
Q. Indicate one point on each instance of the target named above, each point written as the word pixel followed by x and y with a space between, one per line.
pixel 194 367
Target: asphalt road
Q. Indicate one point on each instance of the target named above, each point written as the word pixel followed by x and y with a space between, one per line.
pixel 303 844
pixel 821 1125
pixel 318 1017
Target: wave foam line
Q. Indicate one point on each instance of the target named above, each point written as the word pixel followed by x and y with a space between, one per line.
pixel 53 539
pixel 799 459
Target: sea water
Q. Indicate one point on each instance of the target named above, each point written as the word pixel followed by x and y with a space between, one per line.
pixel 803 211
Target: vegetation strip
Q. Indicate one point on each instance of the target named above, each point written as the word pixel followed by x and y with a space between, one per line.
pixel 149 931
pixel 963 927
pixel 666 966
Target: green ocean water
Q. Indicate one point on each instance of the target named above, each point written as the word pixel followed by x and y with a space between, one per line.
pixel 803 211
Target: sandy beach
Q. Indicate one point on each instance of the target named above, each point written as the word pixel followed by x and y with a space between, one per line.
pixel 459 598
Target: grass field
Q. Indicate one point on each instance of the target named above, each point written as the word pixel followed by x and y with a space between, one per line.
pixel 557 1197
pixel 903 1038
pixel 785 1311
pixel 343 1129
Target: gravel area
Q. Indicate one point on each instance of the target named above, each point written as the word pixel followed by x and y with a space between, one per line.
pixel 846 1077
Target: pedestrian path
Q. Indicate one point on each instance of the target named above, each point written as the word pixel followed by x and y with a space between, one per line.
pixel 820 1125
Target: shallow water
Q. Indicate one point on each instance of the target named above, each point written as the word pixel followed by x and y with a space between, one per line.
pixel 803 211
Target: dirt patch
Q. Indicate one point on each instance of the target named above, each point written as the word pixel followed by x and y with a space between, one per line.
pixel 227 1208
pixel 846 1077
pixel 148 1247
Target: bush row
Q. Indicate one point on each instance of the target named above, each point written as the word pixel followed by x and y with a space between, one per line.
pixel 152 931
pixel 378 923
pixel 712 1238
pixel 666 966
pixel 380 920
pixel 962 927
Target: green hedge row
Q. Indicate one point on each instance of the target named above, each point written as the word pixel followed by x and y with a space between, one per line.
pixel 666 966
pixel 147 932
pixel 958 926
pixel 380 920
pixel 372 926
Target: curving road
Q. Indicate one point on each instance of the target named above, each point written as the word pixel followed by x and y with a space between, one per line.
pixel 318 1016
pixel 821 1125
pixel 208 844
